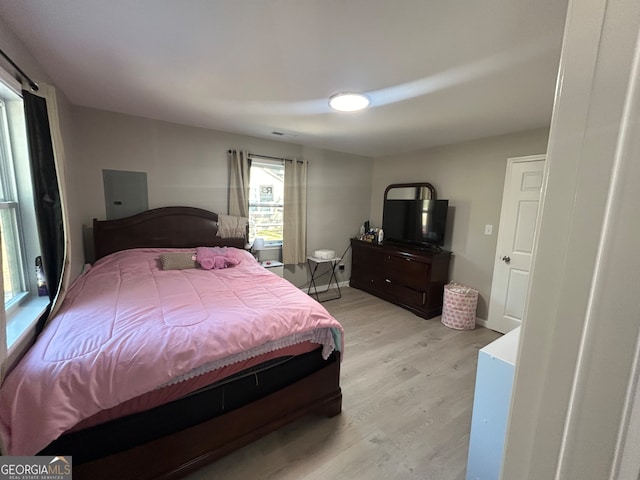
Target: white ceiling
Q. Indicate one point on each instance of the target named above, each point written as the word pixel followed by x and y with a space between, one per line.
pixel 437 71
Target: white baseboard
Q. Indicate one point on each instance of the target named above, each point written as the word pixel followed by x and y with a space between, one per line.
pixel 333 286
pixel 481 322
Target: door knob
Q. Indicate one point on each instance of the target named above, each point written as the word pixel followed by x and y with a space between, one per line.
pixel 506 259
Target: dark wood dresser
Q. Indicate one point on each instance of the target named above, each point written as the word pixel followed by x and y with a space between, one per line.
pixel 411 277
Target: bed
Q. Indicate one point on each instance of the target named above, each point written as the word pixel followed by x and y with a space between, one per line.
pixel 170 404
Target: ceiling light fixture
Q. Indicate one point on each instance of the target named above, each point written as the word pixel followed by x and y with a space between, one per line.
pixel 349 102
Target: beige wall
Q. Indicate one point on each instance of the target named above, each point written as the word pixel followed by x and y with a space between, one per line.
pixel 188 166
pixel 338 196
pixel 16 50
pixel 471 176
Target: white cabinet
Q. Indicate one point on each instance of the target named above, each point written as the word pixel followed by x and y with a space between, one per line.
pixel 494 382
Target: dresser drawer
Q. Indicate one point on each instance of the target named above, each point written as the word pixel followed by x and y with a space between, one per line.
pixel 366 258
pixel 406 271
pixel 405 295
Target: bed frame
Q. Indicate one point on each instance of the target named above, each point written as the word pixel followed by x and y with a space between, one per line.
pixel 168 227
pixel 176 455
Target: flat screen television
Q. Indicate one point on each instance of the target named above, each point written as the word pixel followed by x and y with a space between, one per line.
pixel 418 222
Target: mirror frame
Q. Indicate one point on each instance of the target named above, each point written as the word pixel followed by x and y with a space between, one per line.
pixel 417 186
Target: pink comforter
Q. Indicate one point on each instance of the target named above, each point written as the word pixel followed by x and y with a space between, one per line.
pixel 127 327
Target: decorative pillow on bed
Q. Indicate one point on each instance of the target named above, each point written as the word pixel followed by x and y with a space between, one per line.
pixel 178 261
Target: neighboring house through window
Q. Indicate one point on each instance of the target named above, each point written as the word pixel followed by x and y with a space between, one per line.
pixel 266 200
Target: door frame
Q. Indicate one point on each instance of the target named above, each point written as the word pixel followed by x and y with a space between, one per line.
pixel 574 393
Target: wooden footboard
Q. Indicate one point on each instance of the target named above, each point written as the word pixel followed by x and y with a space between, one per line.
pixel 176 455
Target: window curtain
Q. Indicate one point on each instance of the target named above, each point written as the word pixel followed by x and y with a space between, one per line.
pixel 46 153
pixel 239 165
pixel 294 245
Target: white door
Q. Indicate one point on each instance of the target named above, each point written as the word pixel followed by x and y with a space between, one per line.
pixel 520 202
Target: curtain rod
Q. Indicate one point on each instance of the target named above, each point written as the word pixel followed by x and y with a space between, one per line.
pixel 34 86
pixel 266 156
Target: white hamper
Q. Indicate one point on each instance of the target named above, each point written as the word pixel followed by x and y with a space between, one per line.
pixel 459 307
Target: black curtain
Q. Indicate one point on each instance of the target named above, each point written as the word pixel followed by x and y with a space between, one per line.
pixel 45 189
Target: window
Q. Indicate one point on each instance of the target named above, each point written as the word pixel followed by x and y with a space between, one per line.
pixel 266 201
pixel 13 268
pixel 10 231
pixel 18 230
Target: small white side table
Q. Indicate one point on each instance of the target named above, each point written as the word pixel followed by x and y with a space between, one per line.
pixel 313 263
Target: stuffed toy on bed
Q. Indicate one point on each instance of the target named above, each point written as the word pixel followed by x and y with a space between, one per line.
pixel 216 257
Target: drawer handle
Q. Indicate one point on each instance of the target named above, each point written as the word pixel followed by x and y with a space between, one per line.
pixel 387 280
pixel 424 298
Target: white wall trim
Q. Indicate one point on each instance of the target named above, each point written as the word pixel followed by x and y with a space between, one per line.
pixel 627 456
pixel 575 368
pixel 481 322
pixel 343 284
pixel 626 463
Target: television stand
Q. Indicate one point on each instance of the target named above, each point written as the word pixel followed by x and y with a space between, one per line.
pixel 410 276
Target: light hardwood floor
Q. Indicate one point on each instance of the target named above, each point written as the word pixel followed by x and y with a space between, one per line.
pixel 407 386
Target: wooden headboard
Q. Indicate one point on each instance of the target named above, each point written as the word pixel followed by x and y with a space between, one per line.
pixel 167 227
